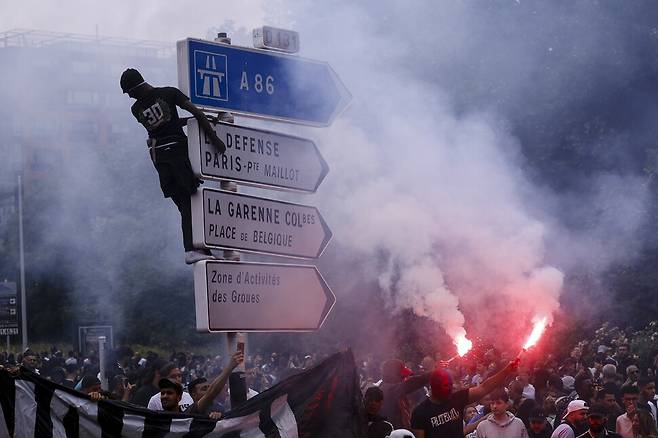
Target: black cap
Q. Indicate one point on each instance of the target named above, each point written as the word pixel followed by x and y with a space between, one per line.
pixel 28 352
pixel 166 383
pixel 130 79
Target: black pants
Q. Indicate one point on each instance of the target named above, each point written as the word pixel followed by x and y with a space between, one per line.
pixel 182 200
pixel 178 182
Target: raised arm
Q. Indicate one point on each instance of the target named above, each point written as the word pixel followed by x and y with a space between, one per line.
pixel 204 123
pixel 493 382
pixel 413 383
pixel 218 384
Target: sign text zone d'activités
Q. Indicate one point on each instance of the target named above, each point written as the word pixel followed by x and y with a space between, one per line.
pixel 243 296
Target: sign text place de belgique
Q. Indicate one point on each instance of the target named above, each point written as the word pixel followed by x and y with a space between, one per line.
pixel 222 219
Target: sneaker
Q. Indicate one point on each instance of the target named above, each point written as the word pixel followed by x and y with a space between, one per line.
pixel 197 255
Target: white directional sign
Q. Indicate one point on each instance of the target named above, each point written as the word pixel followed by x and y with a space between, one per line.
pixel 222 219
pixel 236 296
pixel 257 157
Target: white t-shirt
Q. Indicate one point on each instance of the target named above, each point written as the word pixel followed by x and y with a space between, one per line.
pixel 155 404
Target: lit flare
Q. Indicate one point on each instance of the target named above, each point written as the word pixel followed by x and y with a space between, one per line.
pixel 537 331
pixel 463 345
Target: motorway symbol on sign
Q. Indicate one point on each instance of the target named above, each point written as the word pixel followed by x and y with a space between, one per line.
pixel 257 157
pixel 222 219
pixel 238 296
pixel 260 83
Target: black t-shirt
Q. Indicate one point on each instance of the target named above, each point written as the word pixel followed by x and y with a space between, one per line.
pixel 444 420
pixel 156 110
pixel 374 426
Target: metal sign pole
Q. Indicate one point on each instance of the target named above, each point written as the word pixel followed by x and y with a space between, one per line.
pixel 237 382
pixel 101 360
pixel 22 262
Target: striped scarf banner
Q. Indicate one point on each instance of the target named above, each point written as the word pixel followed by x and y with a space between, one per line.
pixel 317 403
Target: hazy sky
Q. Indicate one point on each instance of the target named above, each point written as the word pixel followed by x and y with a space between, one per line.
pixel 147 19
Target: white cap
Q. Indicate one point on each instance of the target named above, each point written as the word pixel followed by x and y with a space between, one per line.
pixel 401 433
pixel 575 405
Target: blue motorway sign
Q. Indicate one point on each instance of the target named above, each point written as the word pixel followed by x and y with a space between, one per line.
pixel 260 83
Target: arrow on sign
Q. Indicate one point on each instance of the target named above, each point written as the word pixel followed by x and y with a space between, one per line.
pixel 260 83
pixel 229 220
pixel 257 157
pixel 238 296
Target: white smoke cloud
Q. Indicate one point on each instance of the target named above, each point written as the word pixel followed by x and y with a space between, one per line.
pixel 438 199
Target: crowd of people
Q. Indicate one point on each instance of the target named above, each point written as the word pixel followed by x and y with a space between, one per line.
pixel 598 390
pixel 142 379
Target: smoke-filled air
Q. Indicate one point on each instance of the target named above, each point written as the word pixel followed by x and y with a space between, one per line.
pixel 492 173
pixel 483 245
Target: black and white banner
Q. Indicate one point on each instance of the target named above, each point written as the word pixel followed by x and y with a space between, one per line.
pixel 320 402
